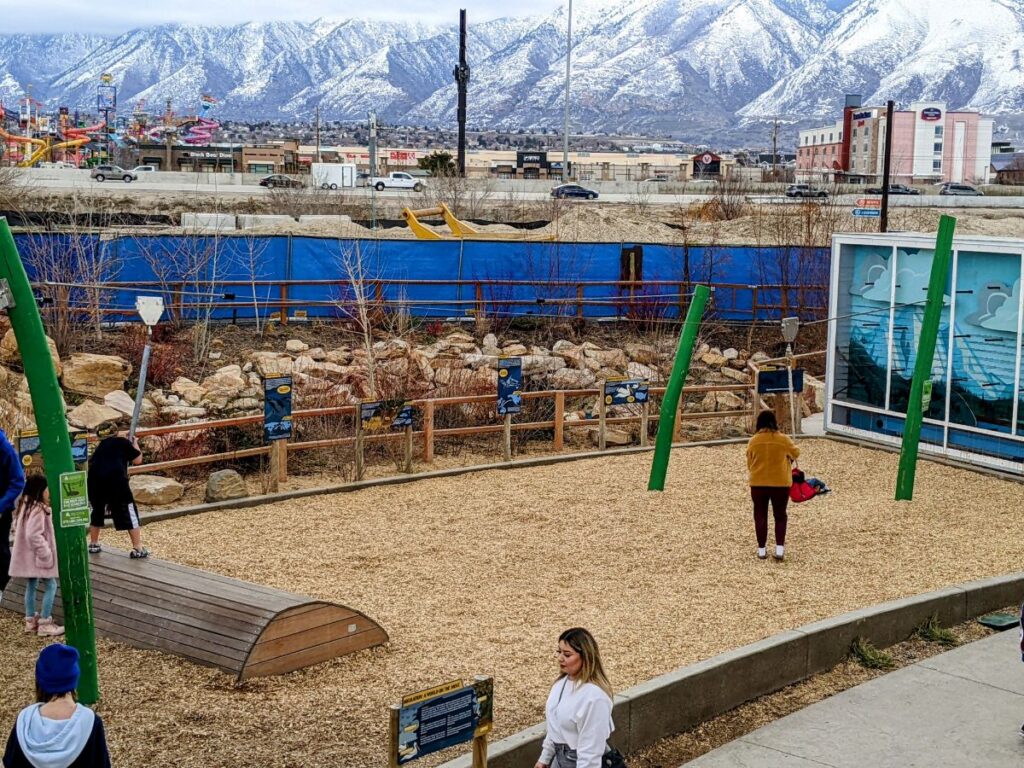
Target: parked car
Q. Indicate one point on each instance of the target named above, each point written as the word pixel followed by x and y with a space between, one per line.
pixel 655 180
pixel 280 180
pixel 57 164
pixel 573 190
pixel 804 190
pixel 894 189
pixel 104 172
pixel 144 169
pixel 960 189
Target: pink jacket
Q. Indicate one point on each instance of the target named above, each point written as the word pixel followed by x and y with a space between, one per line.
pixel 34 553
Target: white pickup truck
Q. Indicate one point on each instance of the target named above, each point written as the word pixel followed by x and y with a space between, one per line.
pixel 396 180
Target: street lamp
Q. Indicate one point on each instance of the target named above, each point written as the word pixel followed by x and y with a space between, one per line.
pixel 150 309
pixel 568 72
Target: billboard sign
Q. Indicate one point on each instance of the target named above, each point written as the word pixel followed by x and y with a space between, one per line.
pixel 931 114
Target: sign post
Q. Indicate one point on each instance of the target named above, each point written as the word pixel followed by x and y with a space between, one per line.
pixel 277 424
pixel 150 309
pixel 790 328
pixel 510 396
pixel 403 420
pixel 442 717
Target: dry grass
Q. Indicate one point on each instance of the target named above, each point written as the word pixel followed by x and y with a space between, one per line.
pixel 478 574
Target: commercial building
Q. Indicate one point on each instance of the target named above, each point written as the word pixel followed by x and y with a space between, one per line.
pixel 975 409
pixel 929 144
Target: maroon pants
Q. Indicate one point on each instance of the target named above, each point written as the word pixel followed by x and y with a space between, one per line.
pixel 779 498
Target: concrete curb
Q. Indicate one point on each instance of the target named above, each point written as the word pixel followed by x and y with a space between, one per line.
pixel 690 695
pixel 539 461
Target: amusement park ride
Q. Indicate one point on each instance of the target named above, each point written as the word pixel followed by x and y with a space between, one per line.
pixel 31 137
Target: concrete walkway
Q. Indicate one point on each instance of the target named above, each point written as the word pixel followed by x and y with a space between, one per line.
pixel 960 708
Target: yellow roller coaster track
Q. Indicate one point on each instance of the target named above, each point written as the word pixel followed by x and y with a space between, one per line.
pixel 460 229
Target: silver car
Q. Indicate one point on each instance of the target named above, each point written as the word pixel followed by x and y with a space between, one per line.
pixel 104 172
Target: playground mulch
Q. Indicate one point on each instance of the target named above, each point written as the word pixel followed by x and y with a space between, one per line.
pixel 479 574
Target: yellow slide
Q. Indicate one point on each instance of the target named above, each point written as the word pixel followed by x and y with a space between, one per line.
pixel 40 153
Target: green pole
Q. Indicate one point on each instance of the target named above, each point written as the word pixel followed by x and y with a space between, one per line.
pixel 925 357
pixel 55 444
pixel 681 366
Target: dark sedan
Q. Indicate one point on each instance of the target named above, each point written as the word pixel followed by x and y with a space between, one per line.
pixel 573 190
pixel 894 189
pixel 280 180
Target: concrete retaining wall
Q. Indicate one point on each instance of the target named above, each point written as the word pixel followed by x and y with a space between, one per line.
pixel 208 222
pixel 688 696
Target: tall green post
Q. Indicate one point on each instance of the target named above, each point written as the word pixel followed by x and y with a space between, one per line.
pixel 76 592
pixel 925 357
pixel 669 406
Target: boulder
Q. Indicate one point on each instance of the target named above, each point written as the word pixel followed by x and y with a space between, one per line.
pixel 224 384
pixel 481 361
pixel 490 345
pixel 611 436
pixel 740 377
pixel 296 346
pixel 95 375
pixel 609 358
pixel 644 354
pixel 391 349
pixel 189 390
pixel 272 363
pixel 722 401
pixel 244 404
pixel 317 353
pixel 182 412
pixel 814 393
pixel 730 354
pixel 339 356
pixel 713 359
pixel 153 489
pixel 572 378
pixel 534 364
pixel 514 350
pixel 458 337
pixel 225 484
pixel 10 353
pixel 638 371
pixel 91 414
pixel 121 401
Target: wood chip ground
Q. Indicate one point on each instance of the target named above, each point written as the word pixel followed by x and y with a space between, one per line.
pixel 478 575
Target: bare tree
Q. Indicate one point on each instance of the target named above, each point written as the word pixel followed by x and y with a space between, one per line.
pixel 352 262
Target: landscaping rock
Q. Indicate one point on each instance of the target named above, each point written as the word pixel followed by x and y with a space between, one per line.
pixel 182 412
pixel 120 401
pixel 730 353
pixel 535 364
pixel 740 377
pixel 609 358
pixel 572 378
pixel 95 375
pixel 9 352
pixel 481 361
pixel 339 356
pixel 713 359
pixel 638 371
pixel 722 401
pixel 514 350
pixel 91 414
pixel 611 436
pixel 153 489
pixel 296 345
pixel 225 484
pixel 642 353
pixel 814 393
pixel 188 389
pixel 272 363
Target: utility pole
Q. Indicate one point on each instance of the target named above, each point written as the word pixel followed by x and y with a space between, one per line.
pixel 373 170
pixel 883 219
pixel 318 133
pixel 462 80
pixel 568 74
pixel 775 143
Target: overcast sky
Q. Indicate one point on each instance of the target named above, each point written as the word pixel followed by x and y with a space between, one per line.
pixel 114 16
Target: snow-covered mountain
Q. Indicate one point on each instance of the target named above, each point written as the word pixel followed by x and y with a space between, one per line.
pixel 684 67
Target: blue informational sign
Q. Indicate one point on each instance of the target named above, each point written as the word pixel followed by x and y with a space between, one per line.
pixel 443 717
pixel 869 213
pixel 774 382
pixel 371 415
pixel 403 418
pixel 510 382
pixel 79 447
pixel 625 391
pixel 28 447
pixel 106 97
pixel 277 408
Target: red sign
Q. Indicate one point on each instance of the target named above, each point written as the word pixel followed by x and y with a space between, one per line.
pixel 869 202
pixel 401 155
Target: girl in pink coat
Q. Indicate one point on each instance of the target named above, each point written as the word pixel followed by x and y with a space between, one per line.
pixel 34 555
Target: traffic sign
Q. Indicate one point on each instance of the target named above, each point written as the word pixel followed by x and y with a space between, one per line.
pixel 868 212
pixel 869 202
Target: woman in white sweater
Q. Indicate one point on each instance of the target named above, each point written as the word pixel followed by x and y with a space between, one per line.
pixel 579 708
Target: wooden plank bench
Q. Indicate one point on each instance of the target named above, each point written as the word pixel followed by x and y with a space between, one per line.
pixel 245 629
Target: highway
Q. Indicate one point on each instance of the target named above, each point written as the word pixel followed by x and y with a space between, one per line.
pixel 239 185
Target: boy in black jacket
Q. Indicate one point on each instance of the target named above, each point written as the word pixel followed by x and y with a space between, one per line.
pixel 109 492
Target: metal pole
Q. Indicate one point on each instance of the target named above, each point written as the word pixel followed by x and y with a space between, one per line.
pixel 141 391
pixel 568 72
pixel 73 564
pixel 681 366
pixel 462 81
pixel 925 357
pixel 792 401
pixel 883 220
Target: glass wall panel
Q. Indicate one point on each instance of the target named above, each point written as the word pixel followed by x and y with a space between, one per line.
pixel 985 340
pixel 862 332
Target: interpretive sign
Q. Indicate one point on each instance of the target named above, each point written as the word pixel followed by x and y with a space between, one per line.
pixel 441 717
pixel 625 391
pixel 510 381
pixel 74 500
pixel 277 408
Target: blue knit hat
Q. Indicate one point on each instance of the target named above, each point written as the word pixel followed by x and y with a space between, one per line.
pixel 57 669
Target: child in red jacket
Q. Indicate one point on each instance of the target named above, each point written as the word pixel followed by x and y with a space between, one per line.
pixel 805 488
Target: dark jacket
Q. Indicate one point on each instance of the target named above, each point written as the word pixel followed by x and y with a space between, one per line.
pixel 12 483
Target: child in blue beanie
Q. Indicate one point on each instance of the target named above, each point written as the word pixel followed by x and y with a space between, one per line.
pixel 57 731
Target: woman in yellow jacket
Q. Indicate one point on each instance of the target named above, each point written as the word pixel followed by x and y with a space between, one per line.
pixel 770 455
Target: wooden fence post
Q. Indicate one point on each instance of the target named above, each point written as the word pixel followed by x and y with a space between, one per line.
pixel 359 442
pixel 428 432
pixel 645 414
pixel 284 304
pixel 579 302
pixel 507 442
pixel 602 414
pixel 408 449
pixel 559 439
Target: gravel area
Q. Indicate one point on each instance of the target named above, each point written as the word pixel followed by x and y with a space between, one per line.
pixel 478 574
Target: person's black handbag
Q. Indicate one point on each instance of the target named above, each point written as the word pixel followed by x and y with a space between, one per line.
pixel 613 759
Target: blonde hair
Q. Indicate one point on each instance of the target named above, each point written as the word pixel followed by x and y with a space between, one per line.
pixel 591 669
